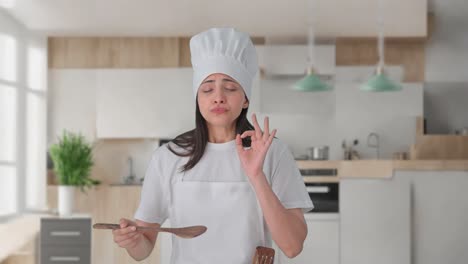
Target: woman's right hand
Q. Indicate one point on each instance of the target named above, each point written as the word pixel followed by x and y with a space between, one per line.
pixel 127 236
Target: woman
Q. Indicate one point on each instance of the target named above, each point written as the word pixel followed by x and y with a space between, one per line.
pixel 234 178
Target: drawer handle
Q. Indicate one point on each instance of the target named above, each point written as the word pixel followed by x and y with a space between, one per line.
pixel 60 258
pixel 65 233
pixel 318 189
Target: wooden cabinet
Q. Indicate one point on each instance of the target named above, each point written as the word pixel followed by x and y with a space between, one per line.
pixel 375 221
pixel 151 103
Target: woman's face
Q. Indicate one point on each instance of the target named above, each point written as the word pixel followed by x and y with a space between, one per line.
pixel 221 100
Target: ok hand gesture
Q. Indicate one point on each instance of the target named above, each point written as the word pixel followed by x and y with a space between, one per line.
pixel 252 159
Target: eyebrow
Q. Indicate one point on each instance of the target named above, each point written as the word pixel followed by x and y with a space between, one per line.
pixel 224 80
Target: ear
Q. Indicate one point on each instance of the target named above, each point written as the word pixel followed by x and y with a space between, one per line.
pixel 246 103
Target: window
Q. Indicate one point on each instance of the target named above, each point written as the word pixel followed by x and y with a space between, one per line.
pixel 8 126
pixel 23 98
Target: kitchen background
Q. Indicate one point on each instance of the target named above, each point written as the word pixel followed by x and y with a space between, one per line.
pixel 124 83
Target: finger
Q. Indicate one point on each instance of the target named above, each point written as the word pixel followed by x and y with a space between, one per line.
pixel 239 146
pixel 129 244
pixel 250 133
pixel 258 130
pixel 123 223
pixel 266 128
pixel 270 139
pixel 129 240
pixel 125 230
pixel 120 238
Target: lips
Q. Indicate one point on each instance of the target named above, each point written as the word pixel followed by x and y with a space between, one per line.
pixel 218 110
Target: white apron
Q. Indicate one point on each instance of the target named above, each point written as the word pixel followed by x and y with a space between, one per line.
pixel 231 213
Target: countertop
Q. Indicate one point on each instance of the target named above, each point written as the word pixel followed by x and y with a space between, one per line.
pixel 376 168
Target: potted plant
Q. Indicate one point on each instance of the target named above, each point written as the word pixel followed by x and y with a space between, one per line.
pixel 72 158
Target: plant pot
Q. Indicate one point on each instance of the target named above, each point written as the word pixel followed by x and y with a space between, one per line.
pixel 66 200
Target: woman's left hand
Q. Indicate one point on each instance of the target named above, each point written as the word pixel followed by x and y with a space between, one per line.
pixel 252 159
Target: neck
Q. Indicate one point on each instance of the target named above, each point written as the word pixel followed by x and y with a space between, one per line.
pixel 221 134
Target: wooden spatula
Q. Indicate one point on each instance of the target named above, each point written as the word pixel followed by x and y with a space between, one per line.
pixel 183 232
pixel 263 255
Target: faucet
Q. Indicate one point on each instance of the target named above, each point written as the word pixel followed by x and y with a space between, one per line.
pixel 131 177
pixel 375 145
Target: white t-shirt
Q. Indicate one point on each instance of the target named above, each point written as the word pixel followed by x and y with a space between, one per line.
pixel 220 162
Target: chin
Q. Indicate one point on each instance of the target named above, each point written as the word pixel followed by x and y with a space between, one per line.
pixel 219 121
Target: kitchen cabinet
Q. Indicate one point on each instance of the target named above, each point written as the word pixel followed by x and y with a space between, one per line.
pixel 439 215
pixel 322 242
pixel 139 103
pixel 65 240
pixel 375 221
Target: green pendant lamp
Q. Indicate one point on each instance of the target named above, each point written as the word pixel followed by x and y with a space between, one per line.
pixel 380 82
pixel 311 82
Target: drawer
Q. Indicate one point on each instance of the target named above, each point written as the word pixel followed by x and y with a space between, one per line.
pixel 65 231
pixel 65 255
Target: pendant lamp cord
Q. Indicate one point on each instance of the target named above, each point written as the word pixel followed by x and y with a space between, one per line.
pixel 311 38
pixel 380 22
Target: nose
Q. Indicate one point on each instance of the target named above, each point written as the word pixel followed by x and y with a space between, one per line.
pixel 220 96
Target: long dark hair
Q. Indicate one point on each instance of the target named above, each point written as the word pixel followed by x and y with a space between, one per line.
pixel 194 141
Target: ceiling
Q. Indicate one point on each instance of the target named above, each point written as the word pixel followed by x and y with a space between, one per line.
pixel 186 17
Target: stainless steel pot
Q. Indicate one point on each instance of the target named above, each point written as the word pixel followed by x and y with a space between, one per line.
pixel 318 153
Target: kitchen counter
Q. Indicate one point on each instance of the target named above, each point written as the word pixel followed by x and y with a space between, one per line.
pixel 377 168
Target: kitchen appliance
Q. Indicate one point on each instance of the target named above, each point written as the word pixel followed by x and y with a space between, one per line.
pixel 319 172
pixel 318 153
pixel 324 197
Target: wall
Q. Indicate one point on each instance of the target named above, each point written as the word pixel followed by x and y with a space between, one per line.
pixel 445 107
pixel 446 50
pixel 446 89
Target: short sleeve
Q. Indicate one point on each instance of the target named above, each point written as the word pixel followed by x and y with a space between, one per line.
pixel 288 185
pixel 154 200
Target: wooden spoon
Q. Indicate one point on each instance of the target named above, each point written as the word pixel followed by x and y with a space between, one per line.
pixel 183 232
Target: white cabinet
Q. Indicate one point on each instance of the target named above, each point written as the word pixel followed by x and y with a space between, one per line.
pixel 322 242
pixel 440 214
pixel 375 221
pixel 144 103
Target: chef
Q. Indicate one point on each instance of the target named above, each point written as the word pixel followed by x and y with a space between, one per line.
pixel 233 177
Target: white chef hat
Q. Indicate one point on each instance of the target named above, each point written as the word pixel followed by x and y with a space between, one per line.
pixel 223 50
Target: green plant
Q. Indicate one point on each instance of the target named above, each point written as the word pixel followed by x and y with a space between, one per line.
pixel 72 158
